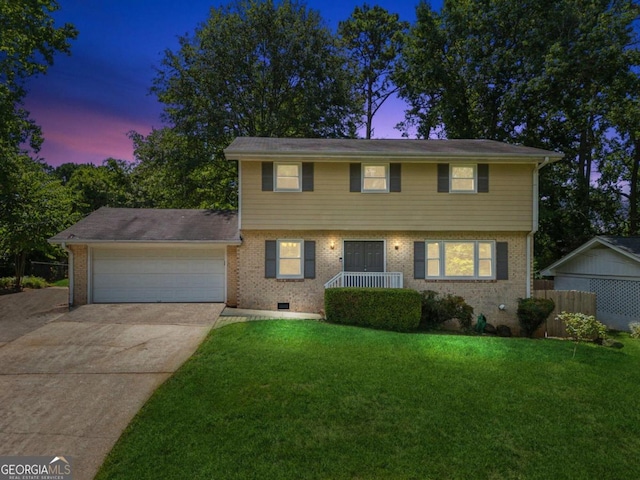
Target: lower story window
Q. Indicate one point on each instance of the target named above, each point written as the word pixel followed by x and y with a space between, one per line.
pixel 460 259
pixel 289 259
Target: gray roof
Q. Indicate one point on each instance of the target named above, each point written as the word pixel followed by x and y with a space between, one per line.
pixel 261 146
pixel 627 244
pixel 152 225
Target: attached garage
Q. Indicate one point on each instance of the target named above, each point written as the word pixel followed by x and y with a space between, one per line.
pixel 138 255
pixel 147 273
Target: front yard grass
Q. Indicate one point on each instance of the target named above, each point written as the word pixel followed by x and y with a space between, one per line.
pixel 310 400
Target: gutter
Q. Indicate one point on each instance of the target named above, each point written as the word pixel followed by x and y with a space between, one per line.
pixel 534 223
pixel 70 267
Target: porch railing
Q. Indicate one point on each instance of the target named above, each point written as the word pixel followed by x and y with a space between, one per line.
pixel 366 280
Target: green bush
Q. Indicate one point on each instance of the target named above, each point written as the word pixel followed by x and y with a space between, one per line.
pixel 438 308
pixel 635 329
pixel 34 282
pixel 381 308
pixel 9 283
pixel 581 327
pixel 532 312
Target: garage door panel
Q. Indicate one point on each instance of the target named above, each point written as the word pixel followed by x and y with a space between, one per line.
pixel 152 274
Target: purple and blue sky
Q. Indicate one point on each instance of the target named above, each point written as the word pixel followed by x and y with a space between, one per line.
pixel 88 101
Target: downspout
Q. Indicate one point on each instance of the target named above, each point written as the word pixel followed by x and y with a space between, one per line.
pixel 534 223
pixel 70 267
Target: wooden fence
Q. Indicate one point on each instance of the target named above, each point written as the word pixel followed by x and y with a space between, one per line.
pixel 566 301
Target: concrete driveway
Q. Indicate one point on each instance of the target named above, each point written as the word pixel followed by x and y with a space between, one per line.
pixel 70 386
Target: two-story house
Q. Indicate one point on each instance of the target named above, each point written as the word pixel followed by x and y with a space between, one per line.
pixel 455 216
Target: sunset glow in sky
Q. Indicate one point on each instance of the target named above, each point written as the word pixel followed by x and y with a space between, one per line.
pixel 88 101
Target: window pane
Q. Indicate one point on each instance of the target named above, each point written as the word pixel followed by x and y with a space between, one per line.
pixel 288 183
pixel 484 268
pixel 375 184
pixel 433 268
pixel 484 250
pixel 290 249
pixel 287 170
pixel 462 172
pixel 458 259
pixel 463 184
pixel 433 250
pixel 290 267
pixel 375 171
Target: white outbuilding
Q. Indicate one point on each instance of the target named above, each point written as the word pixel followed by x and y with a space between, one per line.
pixel 609 267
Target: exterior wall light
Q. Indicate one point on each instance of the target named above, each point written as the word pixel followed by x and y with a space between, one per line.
pixel 502 306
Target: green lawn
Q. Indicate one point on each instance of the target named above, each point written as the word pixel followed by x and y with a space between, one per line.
pixel 298 399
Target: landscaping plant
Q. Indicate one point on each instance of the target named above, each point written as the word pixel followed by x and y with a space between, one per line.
pixel 438 308
pixel 532 312
pixel 383 308
pixel 581 327
pixel 635 329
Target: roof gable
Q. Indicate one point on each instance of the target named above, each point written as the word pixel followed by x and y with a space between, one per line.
pixel 152 225
pixel 629 247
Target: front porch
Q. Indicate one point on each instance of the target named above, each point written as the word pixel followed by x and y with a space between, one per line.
pixel 366 280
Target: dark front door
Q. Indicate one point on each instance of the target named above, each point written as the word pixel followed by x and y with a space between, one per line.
pixel 364 256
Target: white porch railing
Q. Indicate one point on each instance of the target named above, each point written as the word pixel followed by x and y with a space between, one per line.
pixel 366 280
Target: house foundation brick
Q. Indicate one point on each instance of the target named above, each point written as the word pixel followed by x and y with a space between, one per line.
pixel 257 292
pixel 80 274
pixel 232 276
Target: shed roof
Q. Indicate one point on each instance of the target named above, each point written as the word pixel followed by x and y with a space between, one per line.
pixel 627 246
pixel 153 225
pixel 244 148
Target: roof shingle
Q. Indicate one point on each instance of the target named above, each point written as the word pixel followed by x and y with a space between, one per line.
pixel 148 224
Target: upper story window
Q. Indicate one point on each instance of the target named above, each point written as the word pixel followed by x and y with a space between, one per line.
pixel 463 179
pixel 288 177
pixel 375 177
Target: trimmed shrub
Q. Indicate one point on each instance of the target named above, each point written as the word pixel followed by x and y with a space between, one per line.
pixel 635 329
pixel 532 312
pixel 437 309
pixel 380 308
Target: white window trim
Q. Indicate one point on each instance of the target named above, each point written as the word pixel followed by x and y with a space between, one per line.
pixel 275 177
pixel 474 166
pixel 476 260
pixel 278 242
pixel 364 166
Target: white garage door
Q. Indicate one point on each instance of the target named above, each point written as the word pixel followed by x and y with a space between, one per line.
pixel 158 274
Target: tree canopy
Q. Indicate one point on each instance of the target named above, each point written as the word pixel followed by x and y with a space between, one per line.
pixel 373 38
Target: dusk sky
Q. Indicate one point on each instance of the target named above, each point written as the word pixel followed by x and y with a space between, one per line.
pixel 88 101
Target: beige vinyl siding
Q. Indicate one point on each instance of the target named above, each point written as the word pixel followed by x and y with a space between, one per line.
pixel 507 206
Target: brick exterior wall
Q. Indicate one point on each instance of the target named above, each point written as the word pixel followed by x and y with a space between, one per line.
pixel 80 274
pixel 257 292
pixel 232 276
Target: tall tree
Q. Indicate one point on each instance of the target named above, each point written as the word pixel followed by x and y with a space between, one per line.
pixel 109 184
pixel 255 68
pixel 36 206
pixel 32 206
pixel 29 40
pixel 374 39
pixel 540 73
